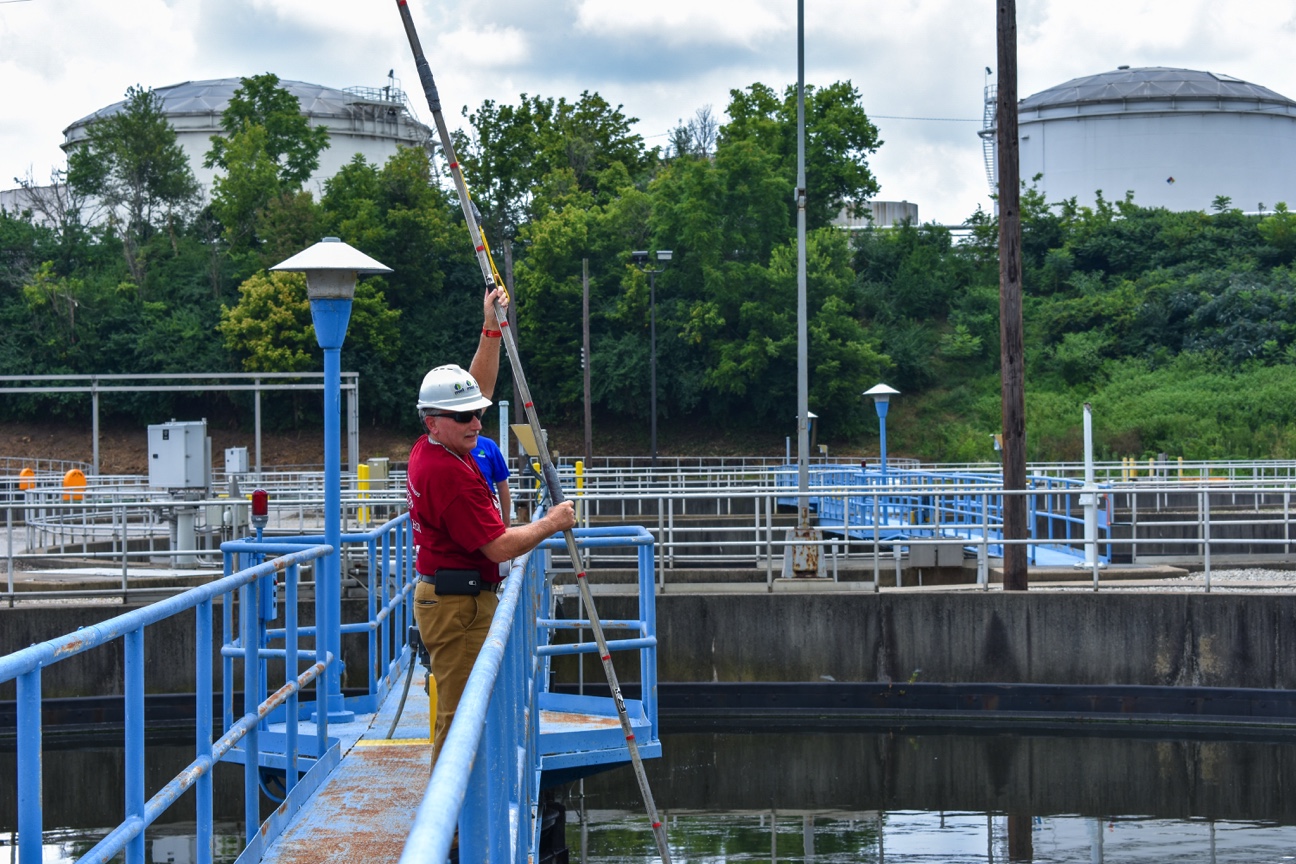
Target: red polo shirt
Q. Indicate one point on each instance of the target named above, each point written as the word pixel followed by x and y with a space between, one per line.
pixel 453 511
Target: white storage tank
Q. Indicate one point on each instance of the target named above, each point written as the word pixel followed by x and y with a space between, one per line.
pixel 1177 138
pixel 371 121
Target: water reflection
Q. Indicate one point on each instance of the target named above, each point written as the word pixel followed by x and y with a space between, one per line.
pixel 917 796
pixel 924 836
pixel 814 794
pixel 82 802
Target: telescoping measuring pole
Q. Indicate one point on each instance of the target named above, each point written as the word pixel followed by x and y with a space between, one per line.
pixel 493 281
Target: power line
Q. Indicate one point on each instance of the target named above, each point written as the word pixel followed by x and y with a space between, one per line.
pixel 941 119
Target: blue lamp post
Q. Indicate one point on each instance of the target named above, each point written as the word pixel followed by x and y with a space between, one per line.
pixel 881 394
pixel 331 269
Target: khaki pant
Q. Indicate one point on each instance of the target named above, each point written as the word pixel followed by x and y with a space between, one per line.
pixel 453 628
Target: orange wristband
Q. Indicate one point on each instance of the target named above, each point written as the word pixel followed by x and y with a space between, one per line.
pixel 493 334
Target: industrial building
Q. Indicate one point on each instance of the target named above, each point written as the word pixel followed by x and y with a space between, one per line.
pixel 1176 138
pixel 371 121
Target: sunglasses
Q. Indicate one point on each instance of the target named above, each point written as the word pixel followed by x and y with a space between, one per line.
pixel 462 416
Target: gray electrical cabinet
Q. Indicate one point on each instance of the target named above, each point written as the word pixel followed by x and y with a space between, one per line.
pixel 236 460
pixel 179 455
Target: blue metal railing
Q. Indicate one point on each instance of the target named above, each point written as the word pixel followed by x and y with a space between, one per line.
pixel 916 504
pixel 128 837
pixel 487 776
pixel 281 752
pixel 389 556
pixel 245 738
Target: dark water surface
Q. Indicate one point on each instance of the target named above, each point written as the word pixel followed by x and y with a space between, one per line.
pixel 920 795
pixel 82 800
pixel 835 794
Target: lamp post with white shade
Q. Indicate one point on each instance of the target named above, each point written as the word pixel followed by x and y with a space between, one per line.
pixel 331 269
pixel 881 394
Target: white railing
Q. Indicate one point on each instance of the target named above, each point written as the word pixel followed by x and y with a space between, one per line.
pixel 701 518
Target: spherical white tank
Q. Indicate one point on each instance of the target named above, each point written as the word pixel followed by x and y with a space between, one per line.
pixel 1176 138
pixel 371 121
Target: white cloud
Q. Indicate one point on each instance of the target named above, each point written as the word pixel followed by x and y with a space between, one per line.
pixel 687 22
pixel 915 58
pixel 480 49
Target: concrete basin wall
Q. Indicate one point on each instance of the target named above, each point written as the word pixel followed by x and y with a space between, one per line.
pixel 1154 639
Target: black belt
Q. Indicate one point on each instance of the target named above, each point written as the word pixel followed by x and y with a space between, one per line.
pixel 492 587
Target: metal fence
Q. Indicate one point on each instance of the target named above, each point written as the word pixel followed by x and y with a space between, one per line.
pixel 710 518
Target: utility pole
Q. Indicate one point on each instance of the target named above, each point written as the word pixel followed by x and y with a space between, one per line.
pixel 1011 360
pixel 589 422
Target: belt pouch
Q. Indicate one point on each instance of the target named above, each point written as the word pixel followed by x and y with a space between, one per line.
pixel 458 582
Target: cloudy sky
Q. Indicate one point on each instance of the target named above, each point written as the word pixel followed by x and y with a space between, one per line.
pixel 919 64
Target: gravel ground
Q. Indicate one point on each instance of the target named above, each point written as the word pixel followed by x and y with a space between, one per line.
pixel 1249 580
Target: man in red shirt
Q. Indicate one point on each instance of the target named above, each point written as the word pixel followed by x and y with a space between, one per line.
pixel 459 531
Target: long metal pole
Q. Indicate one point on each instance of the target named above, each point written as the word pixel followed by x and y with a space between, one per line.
pixel 652 361
pixel 329 569
pixel 94 421
pixel 803 364
pixel 258 428
pixel 492 279
pixel 585 339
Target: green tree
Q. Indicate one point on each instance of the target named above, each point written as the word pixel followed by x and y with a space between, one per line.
pixel 1279 231
pixel 131 163
pixel 289 140
pixel 839 139
pixel 398 214
pixel 269 150
pixel 503 160
pixel 271 329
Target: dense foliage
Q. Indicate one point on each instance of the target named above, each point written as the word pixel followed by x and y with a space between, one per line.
pixel 1179 328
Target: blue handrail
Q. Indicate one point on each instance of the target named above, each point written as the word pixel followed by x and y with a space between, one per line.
pixel 910 503
pixel 26 666
pixel 488 773
pixel 244 738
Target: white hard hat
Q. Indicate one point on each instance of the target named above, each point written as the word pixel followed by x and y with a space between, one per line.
pixel 450 388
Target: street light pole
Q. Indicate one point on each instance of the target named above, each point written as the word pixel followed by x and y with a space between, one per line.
pixel 642 258
pixel 652 361
pixel 331 269
pixel 881 394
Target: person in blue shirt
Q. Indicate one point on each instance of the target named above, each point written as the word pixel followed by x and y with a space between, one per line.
pixel 496 471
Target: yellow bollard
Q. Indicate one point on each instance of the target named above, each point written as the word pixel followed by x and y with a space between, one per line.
pixel 362 484
pixel 26 479
pixel 580 489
